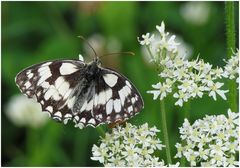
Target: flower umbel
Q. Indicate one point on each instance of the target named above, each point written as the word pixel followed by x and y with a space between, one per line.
pixel 129 146
pixel 182 78
pixel 211 141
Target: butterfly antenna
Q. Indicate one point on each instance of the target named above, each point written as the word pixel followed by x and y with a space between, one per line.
pixel 81 37
pixel 118 53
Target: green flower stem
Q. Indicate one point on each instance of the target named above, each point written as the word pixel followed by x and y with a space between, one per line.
pixel 165 131
pixel 183 161
pixel 231 46
pixel 186 109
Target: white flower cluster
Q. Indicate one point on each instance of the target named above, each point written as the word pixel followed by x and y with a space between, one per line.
pixel 25 112
pixel 231 69
pixel 212 141
pixel 129 146
pixel 184 79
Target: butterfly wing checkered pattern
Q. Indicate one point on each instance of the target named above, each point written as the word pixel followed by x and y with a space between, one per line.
pixel 113 98
pixel 70 89
pixel 52 84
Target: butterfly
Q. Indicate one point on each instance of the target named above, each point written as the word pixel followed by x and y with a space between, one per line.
pixel 86 93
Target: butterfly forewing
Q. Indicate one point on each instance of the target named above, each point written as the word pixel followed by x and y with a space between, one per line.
pixel 52 84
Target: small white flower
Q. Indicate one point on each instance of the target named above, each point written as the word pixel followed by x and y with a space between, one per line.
pixel 233 118
pixel 196 90
pixel 186 85
pixel 162 90
pixel 231 69
pixel 161 28
pixel 180 150
pixel 217 149
pixel 215 88
pixel 231 162
pixel 181 96
pixel 147 39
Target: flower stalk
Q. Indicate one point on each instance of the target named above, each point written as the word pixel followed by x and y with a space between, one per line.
pixel 230 33
pixel 165 131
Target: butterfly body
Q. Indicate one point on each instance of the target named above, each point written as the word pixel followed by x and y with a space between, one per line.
pixel 83 92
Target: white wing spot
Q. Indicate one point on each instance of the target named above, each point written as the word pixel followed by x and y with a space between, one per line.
pixel 45 85
pixel 121 94
pixel 27 84
pixel 45 74
pixel 46 64
pixel 50 92
pixel 28 72
pixel 70 102
pixel 133 100
pixel 136 97
pixel 59 81
pixel 92 121
pixel 38 93
pixel 99 117
pixel 110 79
pixel 117 105
pixel 56 96
pixel 58 114
pixel 109 106
pixel 101 98
pixel 128 84
pixel 30 75
pixel 79 125
pixel 76 118
pixel 83 120
pixel 49 108
pixel 63 88
pixel 67 68
pixel 130 109
pixel 65 121
pixel 117 117
pixel 127 90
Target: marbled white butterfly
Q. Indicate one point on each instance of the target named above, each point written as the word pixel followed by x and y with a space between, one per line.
pixel 83 92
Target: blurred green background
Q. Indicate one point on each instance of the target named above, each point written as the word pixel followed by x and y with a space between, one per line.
pixel 33 32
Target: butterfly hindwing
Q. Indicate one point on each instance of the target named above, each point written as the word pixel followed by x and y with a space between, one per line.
pixel 114 98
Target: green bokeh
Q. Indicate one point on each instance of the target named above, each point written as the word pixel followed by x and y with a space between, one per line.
pixel 33 32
